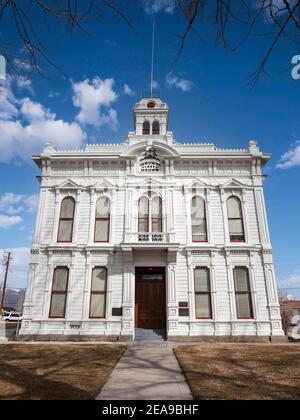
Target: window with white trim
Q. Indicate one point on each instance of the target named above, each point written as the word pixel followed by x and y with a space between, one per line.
pixel 235 219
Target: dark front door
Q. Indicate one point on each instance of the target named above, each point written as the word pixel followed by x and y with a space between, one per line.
pixel 150 298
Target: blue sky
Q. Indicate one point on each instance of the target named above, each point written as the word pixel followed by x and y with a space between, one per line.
pixel 209 97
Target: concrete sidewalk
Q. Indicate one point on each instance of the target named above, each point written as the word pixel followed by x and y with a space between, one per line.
pixel 146 373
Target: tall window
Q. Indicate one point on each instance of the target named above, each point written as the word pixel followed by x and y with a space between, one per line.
pixel 155 128
pixel 199 224
pixel 235 220
pixel 98 292
pixel 243 293
pixel 59 292
pixel 150 214
pixel 146 127
pixel 202 293
pixel 66 220
pixel 102 221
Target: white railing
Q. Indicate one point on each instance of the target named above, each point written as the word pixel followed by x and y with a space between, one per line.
pixel 148 237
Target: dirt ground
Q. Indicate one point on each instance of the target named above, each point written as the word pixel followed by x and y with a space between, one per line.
pixel 55 372
pixel 241 372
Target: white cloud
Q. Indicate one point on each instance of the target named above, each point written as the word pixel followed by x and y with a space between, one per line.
pixel 31 202
pixel 11 203
pixel 34 127
pixel 95 99
pixel 154 84
pixel 8 221
pixel 52 94
pixel 24 83
pixel 33 111
pixel 19 267
pixel 8 105
pixel 127 90
pixel 9 199
pixel 156 6
pixel 291 158
pixel 290 282
pixel 174 81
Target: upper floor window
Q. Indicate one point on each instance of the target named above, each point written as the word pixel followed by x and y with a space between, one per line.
pixel 150 214
pixel 102 220
pixel 98 292
pixel 199 224
pixel 243 293
pixel 66 220
pixel 202 293
pixel 155 128
pixel 59 292
pixel 235 220
pixel 146 127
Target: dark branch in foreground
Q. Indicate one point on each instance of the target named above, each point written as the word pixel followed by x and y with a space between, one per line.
pixel 273 18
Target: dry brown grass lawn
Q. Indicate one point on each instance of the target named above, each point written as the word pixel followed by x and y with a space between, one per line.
pixel 241 372
pixel 55 371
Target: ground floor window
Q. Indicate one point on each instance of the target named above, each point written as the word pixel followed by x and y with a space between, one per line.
pixel 59 292
pixel 202 293
pixel 243 293
pixel 98 292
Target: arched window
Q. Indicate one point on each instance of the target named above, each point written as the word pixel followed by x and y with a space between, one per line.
pixel 155 128
pixel 150 217
pixel 143 214
pixel 146 127
pixel 156 214
pixel 102 220
pixel 235 219
pixel 199 224
pixel 66 220
pixel 98 292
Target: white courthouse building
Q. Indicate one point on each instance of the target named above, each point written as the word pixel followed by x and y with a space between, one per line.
pixel 153 234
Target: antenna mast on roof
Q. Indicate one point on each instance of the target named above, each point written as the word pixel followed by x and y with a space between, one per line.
pixel 152 60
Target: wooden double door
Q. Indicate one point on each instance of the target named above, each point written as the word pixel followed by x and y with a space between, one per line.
pixel 150 298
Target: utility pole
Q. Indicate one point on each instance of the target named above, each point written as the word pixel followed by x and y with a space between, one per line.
pixel 7 260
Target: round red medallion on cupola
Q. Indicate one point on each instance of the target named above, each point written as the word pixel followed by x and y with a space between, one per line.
pixel 151 104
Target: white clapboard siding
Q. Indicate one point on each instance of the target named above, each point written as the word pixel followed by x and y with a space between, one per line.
pixel 175 171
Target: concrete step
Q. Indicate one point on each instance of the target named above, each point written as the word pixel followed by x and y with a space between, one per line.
pixel 150 335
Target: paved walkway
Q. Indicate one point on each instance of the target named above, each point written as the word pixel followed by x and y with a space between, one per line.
pixel 146 373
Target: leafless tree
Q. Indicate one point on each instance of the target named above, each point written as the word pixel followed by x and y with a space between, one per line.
pixel 275 18
pixel 286 320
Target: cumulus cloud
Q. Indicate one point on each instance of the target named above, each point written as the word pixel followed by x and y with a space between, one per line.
pixel 291 158
pixel 127 90
pixel 12 204
pixel 19 267
pixel 290 282
pixel 95 98
pixel 8 105
pixel 9 199
pixel 174 81
pixel 153 7
pixel 26 126
pixel 24 83
pixel 8 221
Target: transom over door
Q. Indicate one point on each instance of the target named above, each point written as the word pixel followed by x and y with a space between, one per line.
pixel 150 301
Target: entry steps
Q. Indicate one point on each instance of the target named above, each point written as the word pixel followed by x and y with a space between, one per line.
pixel 151 335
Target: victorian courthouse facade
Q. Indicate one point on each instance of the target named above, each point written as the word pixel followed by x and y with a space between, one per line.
pixel 151 234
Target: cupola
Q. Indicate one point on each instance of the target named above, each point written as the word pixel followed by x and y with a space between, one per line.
pixel 151 117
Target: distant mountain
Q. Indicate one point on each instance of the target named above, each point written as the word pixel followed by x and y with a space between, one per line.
pixel 14 298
